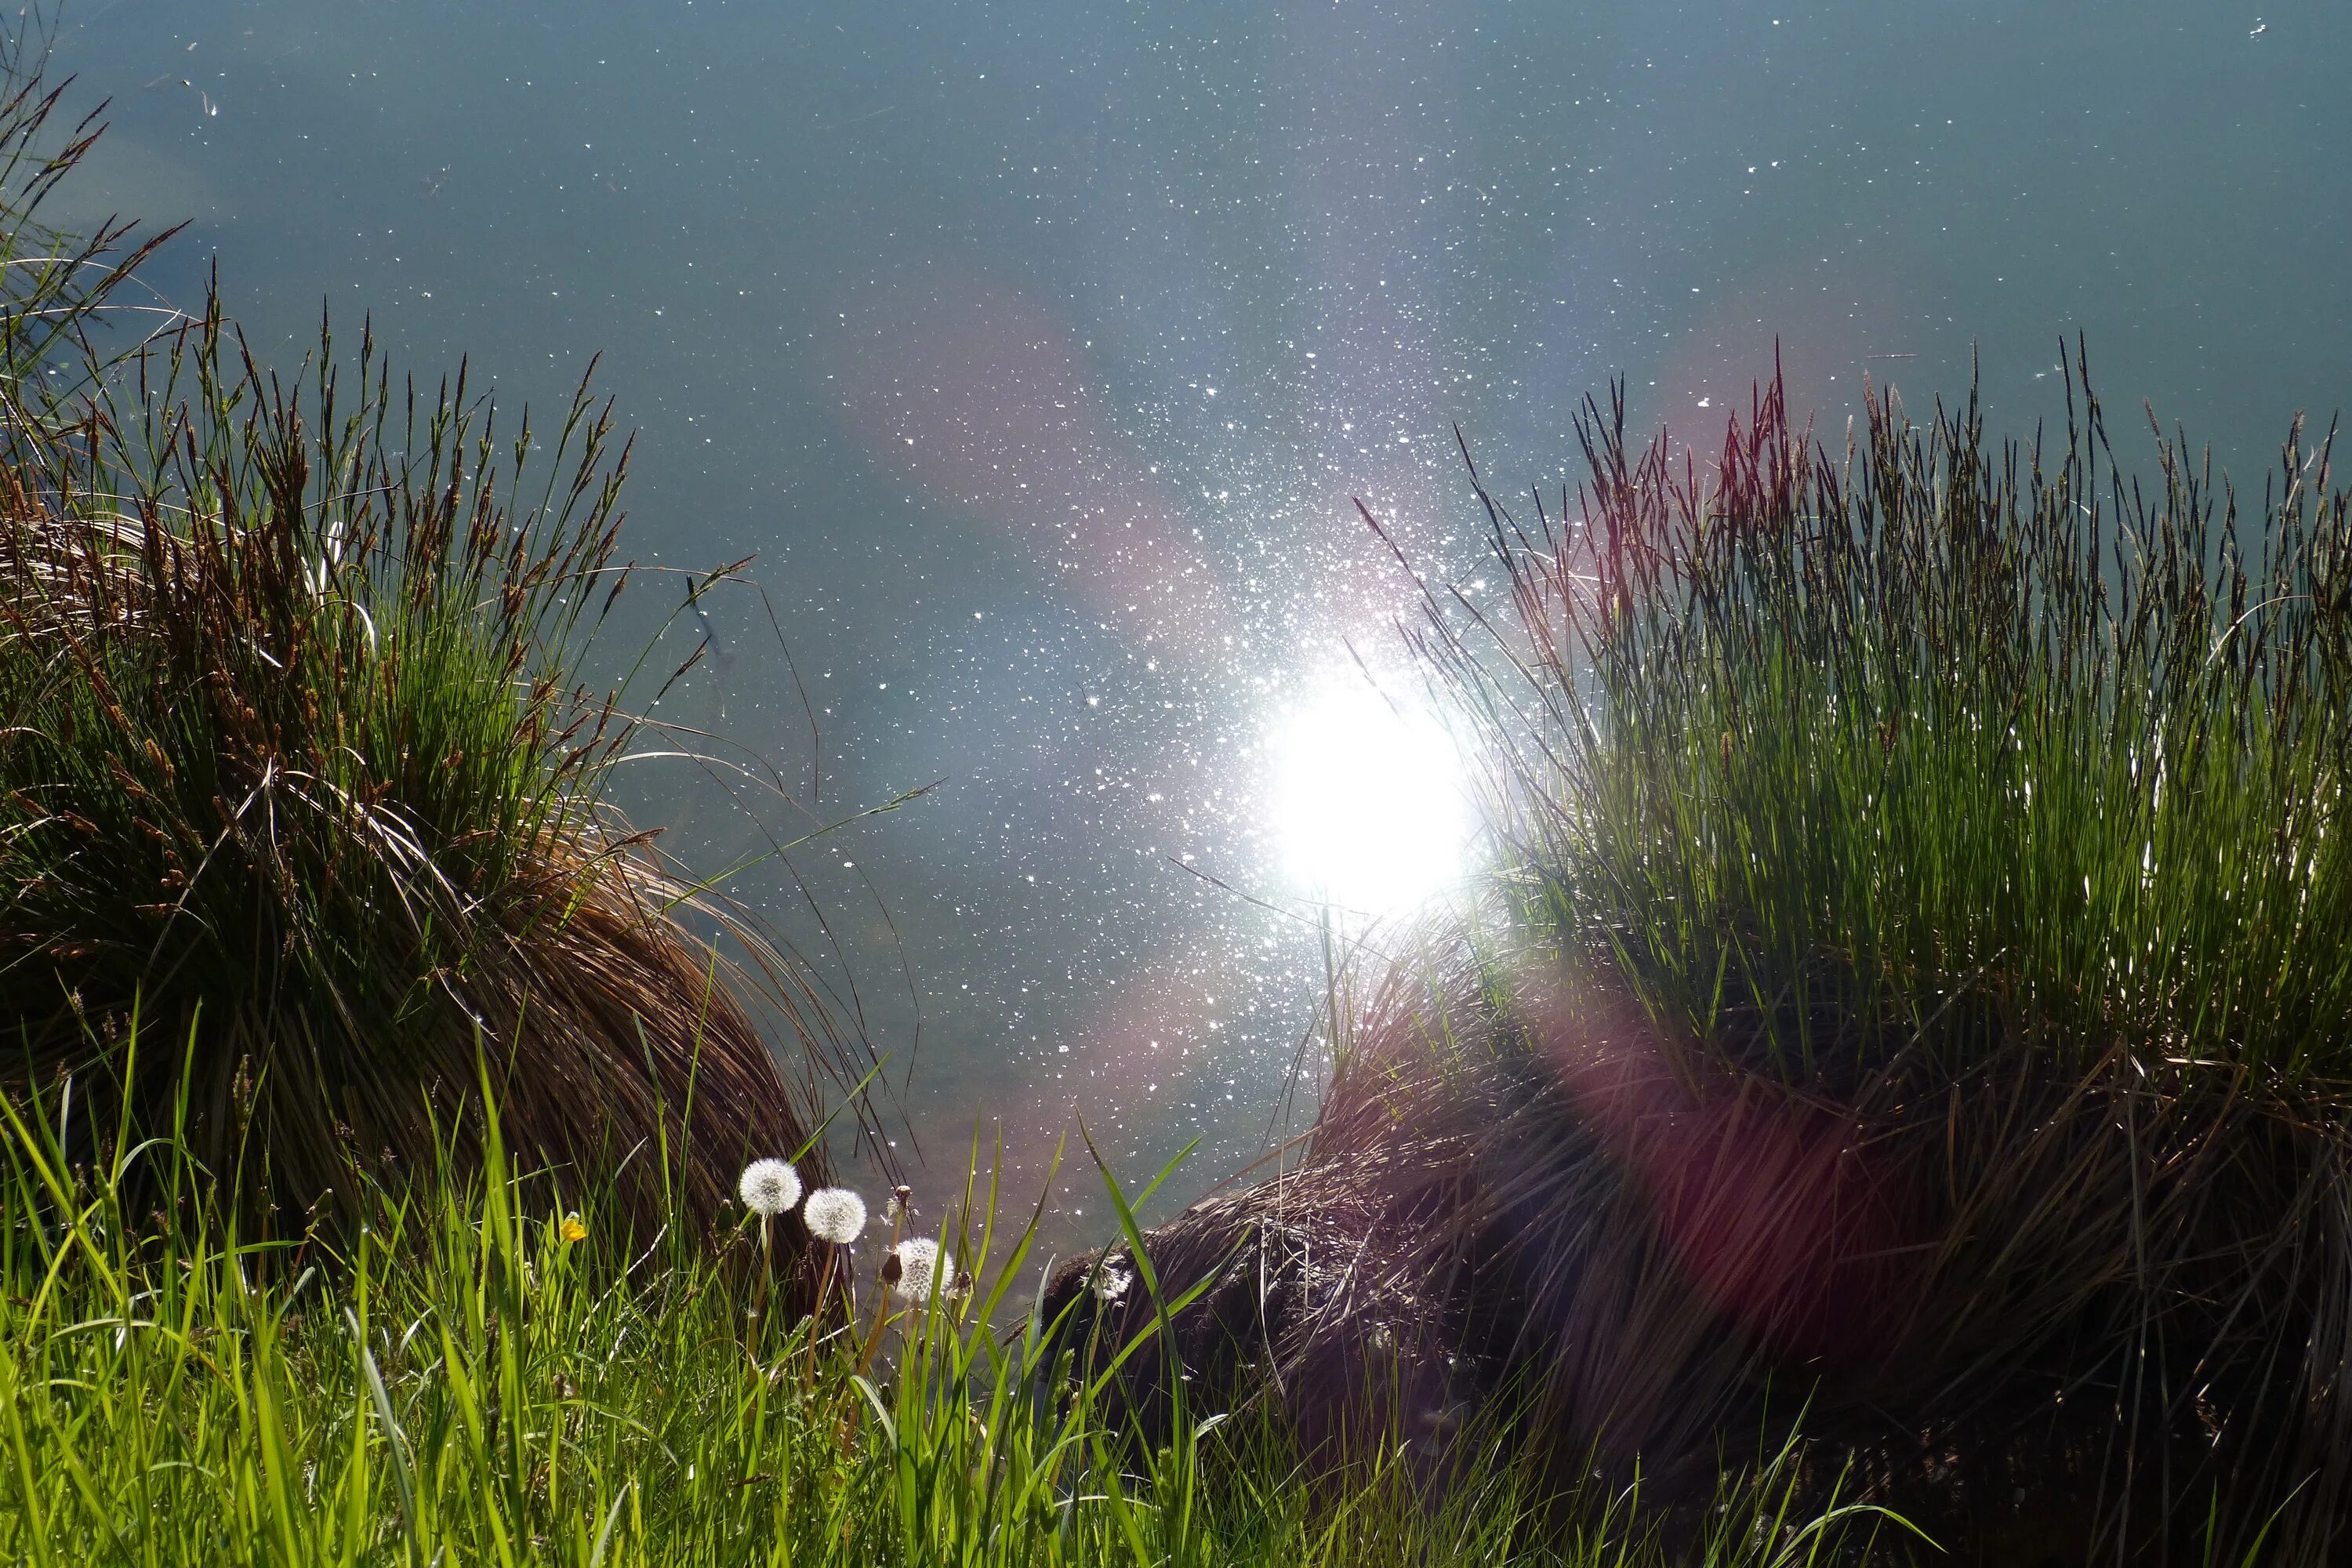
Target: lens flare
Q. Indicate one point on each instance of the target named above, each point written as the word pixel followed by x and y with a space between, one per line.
pixel 1367 805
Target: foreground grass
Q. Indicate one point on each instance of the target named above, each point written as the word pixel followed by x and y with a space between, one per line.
pixel 478 1379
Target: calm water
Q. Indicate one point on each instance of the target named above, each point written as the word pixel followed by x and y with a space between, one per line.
pixel 1036 350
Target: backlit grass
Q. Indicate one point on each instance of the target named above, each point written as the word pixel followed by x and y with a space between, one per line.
pixel 479 1375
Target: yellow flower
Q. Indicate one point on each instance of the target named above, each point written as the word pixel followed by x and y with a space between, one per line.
pixel 573 1230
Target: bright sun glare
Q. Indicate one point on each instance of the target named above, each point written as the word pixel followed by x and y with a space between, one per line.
pixel 1368 810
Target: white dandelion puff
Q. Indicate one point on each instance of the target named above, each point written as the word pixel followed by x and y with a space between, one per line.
pixel 918 1265
pixel 769 1187
pixel 836 1214
pixel 1111 1281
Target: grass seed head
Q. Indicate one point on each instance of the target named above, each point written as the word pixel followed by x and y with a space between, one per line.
pixel 836 1214
pixel 769 1187
pixel 918 1265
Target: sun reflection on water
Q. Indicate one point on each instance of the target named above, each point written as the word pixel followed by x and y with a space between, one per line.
pixel 1367 806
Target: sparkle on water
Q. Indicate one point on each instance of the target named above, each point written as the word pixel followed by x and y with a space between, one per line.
pixel 1367 806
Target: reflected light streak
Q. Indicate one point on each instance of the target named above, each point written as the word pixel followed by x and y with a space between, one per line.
pixel 986 399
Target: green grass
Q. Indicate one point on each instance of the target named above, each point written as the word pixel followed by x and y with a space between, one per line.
pixel 468 1380
pixel 1834 737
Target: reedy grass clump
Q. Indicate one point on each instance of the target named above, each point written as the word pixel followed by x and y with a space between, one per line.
pixel 1831 740
pixel 296 739
pixel 1930 871
pixel 476 1374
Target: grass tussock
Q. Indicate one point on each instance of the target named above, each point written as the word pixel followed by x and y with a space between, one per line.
pixel 1912 1012
pixel 295 745
pixel 1861 732
pixel 479 1375
pixel 1962 825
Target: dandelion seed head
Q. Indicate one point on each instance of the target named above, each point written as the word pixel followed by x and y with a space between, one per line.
pixel 1111 1280
pixel 769 1187
pixel 918 1265
pixel 836 1214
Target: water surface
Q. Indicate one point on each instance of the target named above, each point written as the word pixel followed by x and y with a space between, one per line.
pixel 1036 352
